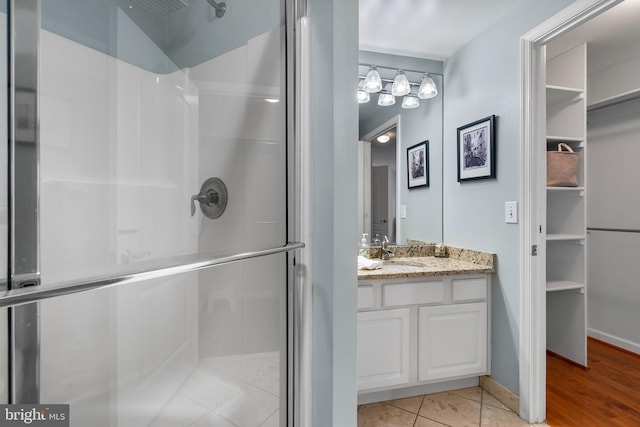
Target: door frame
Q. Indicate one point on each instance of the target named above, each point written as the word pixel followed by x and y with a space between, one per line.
pixel 533 322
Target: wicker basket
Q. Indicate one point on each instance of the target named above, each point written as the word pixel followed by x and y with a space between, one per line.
pixel 562 167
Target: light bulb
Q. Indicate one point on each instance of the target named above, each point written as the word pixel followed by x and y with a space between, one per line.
pixel 385 98
pixel 401 85
pixel 410 101
pixel 428 88
pixel 363 97
pixel 373 82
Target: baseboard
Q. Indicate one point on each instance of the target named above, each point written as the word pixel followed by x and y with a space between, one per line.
pixel 500 392
pixel 401 393
pixel 615 341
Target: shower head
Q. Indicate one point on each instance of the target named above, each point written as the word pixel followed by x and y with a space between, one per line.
pixel 220 8
pixel 159 7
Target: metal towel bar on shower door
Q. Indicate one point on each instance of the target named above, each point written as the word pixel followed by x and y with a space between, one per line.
pixel 34 294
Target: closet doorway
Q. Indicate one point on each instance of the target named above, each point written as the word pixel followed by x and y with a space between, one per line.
pixel 581 243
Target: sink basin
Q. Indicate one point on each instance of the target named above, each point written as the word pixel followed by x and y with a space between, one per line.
pixel 401 267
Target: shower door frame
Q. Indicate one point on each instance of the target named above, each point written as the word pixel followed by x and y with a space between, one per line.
pixel 23 290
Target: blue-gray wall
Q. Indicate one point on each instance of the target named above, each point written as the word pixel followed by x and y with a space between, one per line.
pixel 334 132
pixel 483 78
pixel 424 205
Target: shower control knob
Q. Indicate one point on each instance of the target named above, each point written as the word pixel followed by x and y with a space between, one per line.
pixel 212 198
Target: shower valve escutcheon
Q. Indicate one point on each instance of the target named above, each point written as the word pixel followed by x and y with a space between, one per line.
pixel 212 198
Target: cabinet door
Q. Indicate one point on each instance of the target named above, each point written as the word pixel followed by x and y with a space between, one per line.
pixel 383 348
pixel 452 341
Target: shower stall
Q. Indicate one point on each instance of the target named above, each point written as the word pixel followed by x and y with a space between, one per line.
pixel 149 211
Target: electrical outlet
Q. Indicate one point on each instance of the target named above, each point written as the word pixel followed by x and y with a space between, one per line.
pixel 511 212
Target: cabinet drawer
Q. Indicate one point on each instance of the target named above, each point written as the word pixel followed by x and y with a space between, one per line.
pixel 365 296
pixel 469 289
pixel 412 293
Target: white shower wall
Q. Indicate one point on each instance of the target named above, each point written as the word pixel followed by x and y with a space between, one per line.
pixel 122 151
pixel 242 142
pixel 118 149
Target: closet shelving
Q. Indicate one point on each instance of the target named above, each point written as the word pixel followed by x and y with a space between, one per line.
pixel 566 231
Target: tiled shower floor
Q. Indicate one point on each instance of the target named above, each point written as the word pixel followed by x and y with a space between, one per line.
pixel 460 408
pixel 227 392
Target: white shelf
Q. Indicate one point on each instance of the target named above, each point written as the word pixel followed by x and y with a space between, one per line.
pixel 626 96
pixel 565 237
pixel 565 188
pixel 564 285
pixel 562 94
pixel 556 138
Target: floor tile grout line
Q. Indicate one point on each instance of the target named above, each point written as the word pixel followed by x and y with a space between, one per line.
pixel 418 413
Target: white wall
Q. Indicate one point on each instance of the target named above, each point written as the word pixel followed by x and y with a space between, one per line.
pixel 242 142
pixel 614 80
pixel 483 79
pixel 613 201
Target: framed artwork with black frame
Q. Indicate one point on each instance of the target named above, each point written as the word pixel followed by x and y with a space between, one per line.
pixel 477 150
pixel 418 165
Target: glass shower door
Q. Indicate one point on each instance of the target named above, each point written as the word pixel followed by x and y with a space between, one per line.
pixel 137 105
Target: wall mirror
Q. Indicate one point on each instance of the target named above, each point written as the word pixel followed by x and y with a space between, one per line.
pixel 387 207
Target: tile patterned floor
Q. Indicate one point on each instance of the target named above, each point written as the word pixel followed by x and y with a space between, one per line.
pixel 460 408
pixel 227 392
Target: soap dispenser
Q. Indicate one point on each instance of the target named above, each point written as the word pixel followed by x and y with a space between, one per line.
pixel 362 248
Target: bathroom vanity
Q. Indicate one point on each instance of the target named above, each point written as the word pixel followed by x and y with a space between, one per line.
pixel 423 324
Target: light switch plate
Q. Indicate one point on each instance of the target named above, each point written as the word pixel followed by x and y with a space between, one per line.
pixel 511 212
pixel 403 211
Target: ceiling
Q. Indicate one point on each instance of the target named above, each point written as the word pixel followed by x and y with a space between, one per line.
pixel 433 29
pixel 612 37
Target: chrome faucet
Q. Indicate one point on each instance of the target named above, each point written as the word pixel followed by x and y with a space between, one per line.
pixel 385 253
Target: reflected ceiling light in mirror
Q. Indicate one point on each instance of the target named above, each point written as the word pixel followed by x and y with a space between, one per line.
pixel 272 100
pixel 401 85
pixel 385 98
pixel 410 101
pixel 383 139
pixel 372 82
pixel 428 88
pixel 363 97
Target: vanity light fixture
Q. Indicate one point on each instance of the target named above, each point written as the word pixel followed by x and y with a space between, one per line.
pixel 410 101
pixel 388 86
pixel 385 98
pixel 363 97
pixel 383 139
pixel 401 85
pixel 428 88
pixel 372 82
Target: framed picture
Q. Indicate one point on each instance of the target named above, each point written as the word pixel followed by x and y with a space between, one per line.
pixel 418 165
pixel 477 150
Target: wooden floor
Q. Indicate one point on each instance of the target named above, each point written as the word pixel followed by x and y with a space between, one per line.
pixel 607 394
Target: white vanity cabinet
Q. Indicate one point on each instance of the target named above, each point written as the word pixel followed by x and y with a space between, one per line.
pixel 414 332
pixel 383 346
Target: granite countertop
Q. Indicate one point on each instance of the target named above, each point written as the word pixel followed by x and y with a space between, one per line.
pixel 458 261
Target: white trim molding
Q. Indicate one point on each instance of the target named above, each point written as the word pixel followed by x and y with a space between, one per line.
pixel 532 361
